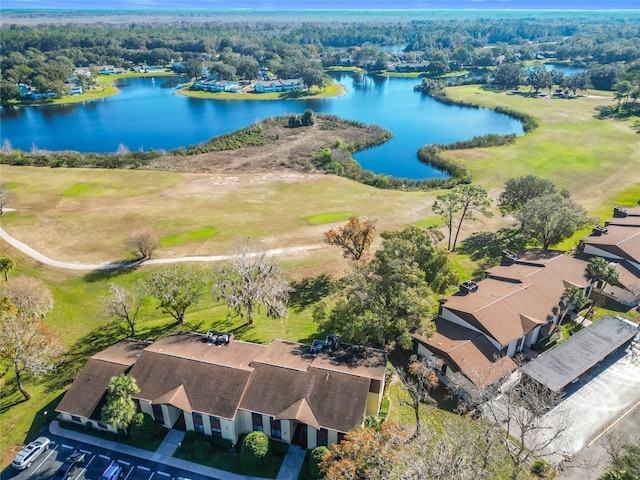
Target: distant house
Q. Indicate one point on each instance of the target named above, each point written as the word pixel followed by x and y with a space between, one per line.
pixel 212 384
pixel 213 85
pixel 411 67
pixel 109 70
pixel 74 89
pixel 279 85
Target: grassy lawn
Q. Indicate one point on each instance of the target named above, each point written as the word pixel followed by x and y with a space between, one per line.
pixel 150 444
pixel 174 239
pixel 329 217
pixel 596 160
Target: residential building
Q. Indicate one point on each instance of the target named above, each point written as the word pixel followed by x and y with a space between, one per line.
pixel 279 85
pixel 215 385
pixel 619 242
pixel 518 303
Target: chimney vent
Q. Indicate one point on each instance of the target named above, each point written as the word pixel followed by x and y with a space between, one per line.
pixel 468 287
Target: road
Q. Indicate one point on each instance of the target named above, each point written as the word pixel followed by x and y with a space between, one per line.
pixel 97 460
pixel 27 250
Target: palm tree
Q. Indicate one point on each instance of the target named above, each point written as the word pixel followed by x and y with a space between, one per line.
pixel 120 408
pixel 572 297
pixel 602 273
pixel 6 264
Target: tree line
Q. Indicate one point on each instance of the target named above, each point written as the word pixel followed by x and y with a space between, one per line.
pixel 44 56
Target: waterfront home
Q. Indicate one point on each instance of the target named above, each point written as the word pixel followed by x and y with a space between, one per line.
pixel 278 85
pixel 307 395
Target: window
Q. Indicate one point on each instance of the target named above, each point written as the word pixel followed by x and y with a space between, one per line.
pixel 197 422
pixel 323 437
pixel 340 437
pixel 256 419
pixel 276 431
pixel 75 418
pixel 216 429
pixel 102 426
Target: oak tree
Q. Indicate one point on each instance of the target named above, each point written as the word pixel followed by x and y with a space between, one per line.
pixel 354 238
pixel 519 190
pixel 29 295
pixel 176 288
pixel 123 304
pixel 27 343
pixel 551 218
pixel 142 243
pixel 249 281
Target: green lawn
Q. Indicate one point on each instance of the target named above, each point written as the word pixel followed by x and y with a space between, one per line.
pixel 329 217
pixel 174 239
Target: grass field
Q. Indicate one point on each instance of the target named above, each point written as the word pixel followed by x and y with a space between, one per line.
pixel 84 215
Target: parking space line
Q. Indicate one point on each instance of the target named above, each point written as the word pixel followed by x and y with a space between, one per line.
pixel 104 457
pixel 124 463
pixel 51 450
pixel 65 446
pixel 164 474
pixel 86 451
pixel 151 476
pixel 146 469
pixel 131 470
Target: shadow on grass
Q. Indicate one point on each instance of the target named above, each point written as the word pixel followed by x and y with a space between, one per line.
pixel 486 248
pixel 444 398
pixel 10 396
pixel 112 270
pixel 74 359
pixel 42 417
pixel 310 290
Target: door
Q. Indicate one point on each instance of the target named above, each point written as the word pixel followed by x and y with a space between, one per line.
pixel 300 436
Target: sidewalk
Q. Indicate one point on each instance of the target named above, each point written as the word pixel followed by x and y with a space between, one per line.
pixel 169 445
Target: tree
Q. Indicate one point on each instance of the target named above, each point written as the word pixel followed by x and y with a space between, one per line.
pixel 519 190
pixel 29 295
pixel 365 454
pixel 419 381
pixel 27 343
pixel 143 243
pixel 354 238
pixel 539 78
pixel 387 299
pixel 123 304
pixel 5 197
pixel 120 409
pixel 192 67
pixel 6 265
pixel 508 76
pixel 551 218
pixel 446 206
pixel 572 297
pixel 176 288
pixel 625 462
pixel 601 274
pixel 520 412
pixel 465 198
pixel 251 281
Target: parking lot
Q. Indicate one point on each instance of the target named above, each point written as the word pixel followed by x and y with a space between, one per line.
pixel 96 461
pixel 596 401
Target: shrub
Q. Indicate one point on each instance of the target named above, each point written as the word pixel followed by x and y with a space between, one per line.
pixel 314 459
pixel 142 427
pixel 200 448
pixel 539 468
pixel 255 448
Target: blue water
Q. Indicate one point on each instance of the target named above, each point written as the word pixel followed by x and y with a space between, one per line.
pixel 147 116
pixel 566 69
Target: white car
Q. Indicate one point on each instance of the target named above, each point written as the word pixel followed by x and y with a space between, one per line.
pixel 29 453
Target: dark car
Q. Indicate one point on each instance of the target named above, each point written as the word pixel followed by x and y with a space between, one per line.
pixel 70 465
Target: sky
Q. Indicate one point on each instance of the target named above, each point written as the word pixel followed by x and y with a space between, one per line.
pixel 328 4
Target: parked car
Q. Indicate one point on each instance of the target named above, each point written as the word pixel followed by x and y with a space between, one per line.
pixel 113 472
pixel 70 465
pixel 28 455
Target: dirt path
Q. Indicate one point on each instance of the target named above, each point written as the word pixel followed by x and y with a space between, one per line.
pixel 27 250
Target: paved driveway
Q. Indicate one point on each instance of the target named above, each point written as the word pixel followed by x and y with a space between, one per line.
pixel 601 397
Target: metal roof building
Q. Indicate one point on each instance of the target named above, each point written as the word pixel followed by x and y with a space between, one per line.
pixel 561 365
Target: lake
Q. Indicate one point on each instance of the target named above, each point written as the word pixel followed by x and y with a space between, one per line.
pixel 148 115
